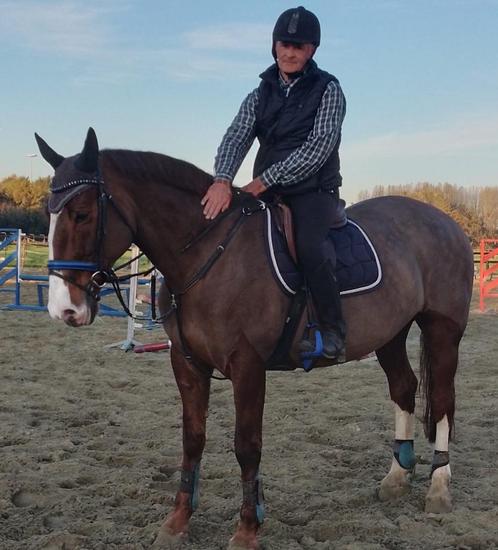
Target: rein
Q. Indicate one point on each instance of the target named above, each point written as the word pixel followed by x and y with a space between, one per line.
pixel 175 296
pixel 202 272
pixel 102 276
pixel 244 212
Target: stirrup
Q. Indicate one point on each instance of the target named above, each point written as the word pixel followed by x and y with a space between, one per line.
pixel 339 352
pixel 308 357
pixel 312 352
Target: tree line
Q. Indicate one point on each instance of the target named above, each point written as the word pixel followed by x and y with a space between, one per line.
pixel 474 208
pixel 23 204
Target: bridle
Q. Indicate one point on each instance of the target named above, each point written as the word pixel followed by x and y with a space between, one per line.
pixel 100 274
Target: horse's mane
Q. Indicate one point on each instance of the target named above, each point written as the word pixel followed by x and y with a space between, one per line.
pixel 146 167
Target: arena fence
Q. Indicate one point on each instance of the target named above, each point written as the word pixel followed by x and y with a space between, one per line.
pixel 13 278
pixel 488 271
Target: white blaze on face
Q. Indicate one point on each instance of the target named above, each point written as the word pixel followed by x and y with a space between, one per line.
pixel 59 299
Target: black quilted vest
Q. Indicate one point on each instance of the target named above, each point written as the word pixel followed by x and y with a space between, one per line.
pixel 283 124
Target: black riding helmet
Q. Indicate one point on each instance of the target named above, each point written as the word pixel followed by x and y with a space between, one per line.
pixel 297 25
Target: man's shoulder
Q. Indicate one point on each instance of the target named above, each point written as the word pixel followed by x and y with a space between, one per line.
pixel 331 79
pixel 270 73
pixel 253 95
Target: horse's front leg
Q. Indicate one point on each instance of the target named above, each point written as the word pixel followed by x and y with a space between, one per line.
pixel 397 482
pixel 194 388
pixel 248 379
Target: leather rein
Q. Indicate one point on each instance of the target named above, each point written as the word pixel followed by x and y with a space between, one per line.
pixel 101 276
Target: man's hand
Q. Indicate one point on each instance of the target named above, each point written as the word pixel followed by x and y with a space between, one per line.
pixel 217 199
pixel 255 187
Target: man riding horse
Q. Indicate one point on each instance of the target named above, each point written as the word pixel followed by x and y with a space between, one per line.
pixel 296 113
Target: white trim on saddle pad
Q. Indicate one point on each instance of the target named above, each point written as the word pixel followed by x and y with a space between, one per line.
pixel 272 254
pixel 344 292
pixel 379 268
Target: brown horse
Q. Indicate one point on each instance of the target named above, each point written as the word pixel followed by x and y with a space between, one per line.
pixel 229 310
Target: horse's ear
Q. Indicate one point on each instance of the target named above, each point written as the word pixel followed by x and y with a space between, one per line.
pixel 89 157
pixel 53 158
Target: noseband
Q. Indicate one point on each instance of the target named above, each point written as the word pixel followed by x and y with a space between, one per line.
pixel 100 275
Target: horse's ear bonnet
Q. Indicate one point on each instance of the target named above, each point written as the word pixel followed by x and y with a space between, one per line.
pixel 82 176
pixel 88 159
pixel 53 158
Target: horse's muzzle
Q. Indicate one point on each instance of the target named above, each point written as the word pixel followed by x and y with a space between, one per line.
pixel 74 319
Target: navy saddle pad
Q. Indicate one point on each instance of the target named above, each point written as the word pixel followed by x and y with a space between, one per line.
pixel 358 267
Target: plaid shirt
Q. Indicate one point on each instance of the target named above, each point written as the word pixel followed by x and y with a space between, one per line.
pixel 302 163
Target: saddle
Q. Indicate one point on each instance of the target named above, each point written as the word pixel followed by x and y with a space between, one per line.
pixel 358 270
pixel 284 223
pixel 358 267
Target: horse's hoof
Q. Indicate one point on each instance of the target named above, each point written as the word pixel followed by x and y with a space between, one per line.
pixel 439 503
pixel 438 499
pixel 396 483
pixel 388 491
pixel 168 541
pixel 239 543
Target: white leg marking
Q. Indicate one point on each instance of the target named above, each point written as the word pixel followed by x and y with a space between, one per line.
pixel 397 481
pixel 438 499
pixel 59 299
pixel 442 434
pixel 404 423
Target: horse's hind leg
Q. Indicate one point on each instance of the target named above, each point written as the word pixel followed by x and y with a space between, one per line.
pixel 402 387
pixel 440 340
pixel 194 388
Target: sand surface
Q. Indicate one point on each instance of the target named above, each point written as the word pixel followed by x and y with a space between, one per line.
pixel 90 445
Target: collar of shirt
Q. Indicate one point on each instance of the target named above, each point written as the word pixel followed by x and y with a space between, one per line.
pixel 287 86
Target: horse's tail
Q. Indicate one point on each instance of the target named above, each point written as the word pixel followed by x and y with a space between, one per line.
pixel 426 388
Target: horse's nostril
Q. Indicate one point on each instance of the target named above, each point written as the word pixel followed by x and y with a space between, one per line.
pixel 69 316
pixel 68 313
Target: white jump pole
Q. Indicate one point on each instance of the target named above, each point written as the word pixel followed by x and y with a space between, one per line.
pixel 130 342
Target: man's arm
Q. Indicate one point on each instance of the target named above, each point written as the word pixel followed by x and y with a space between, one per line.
pixel 237 140
pixel 233 148
pixel 312 154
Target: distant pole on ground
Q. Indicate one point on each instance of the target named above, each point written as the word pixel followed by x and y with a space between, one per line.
pixel 130 341
pixel 31 156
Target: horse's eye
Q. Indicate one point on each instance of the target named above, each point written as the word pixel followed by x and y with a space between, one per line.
pixel 80 217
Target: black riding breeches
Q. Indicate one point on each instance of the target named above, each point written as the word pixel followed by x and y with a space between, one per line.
pixel 314 213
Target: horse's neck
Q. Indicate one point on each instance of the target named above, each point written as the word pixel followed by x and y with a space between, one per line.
pixel 168 218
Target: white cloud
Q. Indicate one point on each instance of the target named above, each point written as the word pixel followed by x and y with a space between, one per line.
pixel 466 134
pixel 204 53
pixel 64 27
pixel 192 65
pixel 255 37
pixel 77 29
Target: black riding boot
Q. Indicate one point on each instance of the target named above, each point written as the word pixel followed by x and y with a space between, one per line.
pixel 327 301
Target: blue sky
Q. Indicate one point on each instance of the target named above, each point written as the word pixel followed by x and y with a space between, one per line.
pixel 421 81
